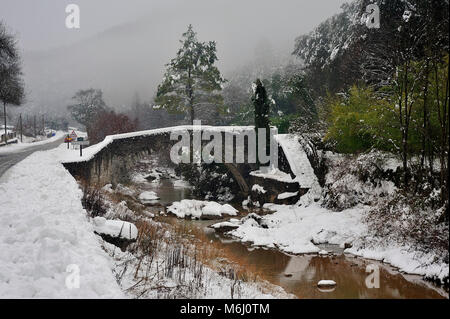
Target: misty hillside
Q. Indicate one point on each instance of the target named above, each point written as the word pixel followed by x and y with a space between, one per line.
pixel 130 58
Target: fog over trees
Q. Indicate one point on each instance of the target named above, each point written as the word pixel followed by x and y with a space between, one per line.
pixel 126 50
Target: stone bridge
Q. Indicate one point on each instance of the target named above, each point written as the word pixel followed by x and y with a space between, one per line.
pixel 110 160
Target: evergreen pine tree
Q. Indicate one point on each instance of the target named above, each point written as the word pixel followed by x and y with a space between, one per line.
pixel 262 109
pixel 191 79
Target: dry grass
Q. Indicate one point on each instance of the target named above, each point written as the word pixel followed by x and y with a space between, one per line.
pixel 214 254
pixel 182 252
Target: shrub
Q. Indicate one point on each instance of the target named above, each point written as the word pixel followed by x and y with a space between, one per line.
pixel 109 123
pixel 360 121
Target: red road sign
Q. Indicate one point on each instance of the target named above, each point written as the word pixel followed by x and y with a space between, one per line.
pixel 73 135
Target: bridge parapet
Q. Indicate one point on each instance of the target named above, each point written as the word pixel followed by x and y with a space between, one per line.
pixel 111 160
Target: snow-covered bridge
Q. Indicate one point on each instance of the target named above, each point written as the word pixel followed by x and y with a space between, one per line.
pixel 110 160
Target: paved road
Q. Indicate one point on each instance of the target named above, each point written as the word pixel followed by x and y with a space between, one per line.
pixel 8 160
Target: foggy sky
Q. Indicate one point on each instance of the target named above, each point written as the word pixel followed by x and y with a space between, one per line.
pixel 122 45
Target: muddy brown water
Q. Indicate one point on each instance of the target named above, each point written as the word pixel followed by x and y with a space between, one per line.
pixel 300 274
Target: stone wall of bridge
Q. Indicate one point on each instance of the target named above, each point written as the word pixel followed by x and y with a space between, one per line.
pixel 111 164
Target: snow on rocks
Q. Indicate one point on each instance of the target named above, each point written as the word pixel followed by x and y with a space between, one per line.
pixel 108 188
pixel 197 209
pixel 405 258
pixel 45 235
pixel 115 228
pixel 124 190
pixel 252 219
pixel 148 196
pixel 326 283
pixel 154 176
pixel 120 211
pixel 273 173
pixel 258 188
pixel 297 229
pixel 287 195
pixel 298 160
pixel 224 226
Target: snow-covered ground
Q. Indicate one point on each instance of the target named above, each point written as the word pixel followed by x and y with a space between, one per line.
pixel 46 237
pixel 298 229
pixel 17 147
pixel 48 244
pixel 197 209
pixel 298 160
pixel 186 279
pixel 115 228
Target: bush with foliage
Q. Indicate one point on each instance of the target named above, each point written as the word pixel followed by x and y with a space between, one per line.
pixel 361 120
pixel 109 123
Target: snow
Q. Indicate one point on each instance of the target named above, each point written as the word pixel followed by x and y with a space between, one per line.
pixel 108 188
pixel 212 209
pixel 90 152
pixel 224 224
pixel 44 231
pixel 273 173
pixel 259 189
pixel 326 283
pixel 185 283
pixel 334 53
pixel 152 274
pixel 299 229
pixel 115 228
pixel 404 258
pixel 197 209
pixel 125 190
pixel 287 195
pixel 148 196
pixel 229 210
pixel 13 148
pixel 298 160
pixel 292 229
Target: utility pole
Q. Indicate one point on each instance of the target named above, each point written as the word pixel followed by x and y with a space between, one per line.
pixel 43 125
pixel 6 131
pixel 34 126
pixel 21 128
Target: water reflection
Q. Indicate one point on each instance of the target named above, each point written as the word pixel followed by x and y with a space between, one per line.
pixel 167 192
pixel 299 275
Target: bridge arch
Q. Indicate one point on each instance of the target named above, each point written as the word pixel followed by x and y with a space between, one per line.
pixel 107 161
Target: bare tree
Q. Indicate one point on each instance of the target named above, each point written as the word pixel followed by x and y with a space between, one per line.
pixel 11 84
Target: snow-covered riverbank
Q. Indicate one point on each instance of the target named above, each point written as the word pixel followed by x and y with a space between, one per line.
pixel 298 230
pixel 44 231
pixel 47 243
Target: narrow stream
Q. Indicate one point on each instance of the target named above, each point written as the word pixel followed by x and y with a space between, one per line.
pixel 299 275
